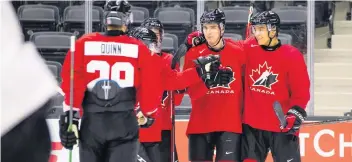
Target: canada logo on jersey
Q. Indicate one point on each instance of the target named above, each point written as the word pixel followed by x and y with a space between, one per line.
pixel 264 77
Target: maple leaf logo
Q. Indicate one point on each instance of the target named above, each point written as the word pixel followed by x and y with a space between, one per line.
pixel 263 76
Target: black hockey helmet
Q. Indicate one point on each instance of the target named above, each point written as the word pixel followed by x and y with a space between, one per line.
pixel 269 18
pixel 265 17
pixel 214 16
pixel 117 12
pixel 148 37
pixel 151 23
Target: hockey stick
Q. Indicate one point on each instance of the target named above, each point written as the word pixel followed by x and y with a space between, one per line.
pixel 173 134
pixel 248 30
pixel 179 55
pixel 281 116
pixel 72 49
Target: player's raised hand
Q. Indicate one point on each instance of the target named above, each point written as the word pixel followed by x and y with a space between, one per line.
pixel 194 39
pixel 295 118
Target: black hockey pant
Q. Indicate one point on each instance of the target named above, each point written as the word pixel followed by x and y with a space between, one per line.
pixel 109 137
pixel 256 144
pixel 165 146
pixel 149 152
pixel 228 147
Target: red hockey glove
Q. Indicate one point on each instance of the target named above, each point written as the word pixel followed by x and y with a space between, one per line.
pixel 295 118
pixel 194 39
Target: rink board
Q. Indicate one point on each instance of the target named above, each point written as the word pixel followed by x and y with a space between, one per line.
pixel 320 143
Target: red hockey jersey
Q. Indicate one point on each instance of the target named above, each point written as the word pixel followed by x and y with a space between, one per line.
pixel 163 122
pixel 123 59
pixel 220 108
pixel 152 133
pixel 279 75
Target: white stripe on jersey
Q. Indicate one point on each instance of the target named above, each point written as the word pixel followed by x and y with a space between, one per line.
pixel 95 48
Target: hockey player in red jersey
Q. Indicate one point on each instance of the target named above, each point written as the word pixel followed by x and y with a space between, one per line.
pixel 110 69
pixel 150 135
pixel 165 107
pixel 208 127
pixel 274 72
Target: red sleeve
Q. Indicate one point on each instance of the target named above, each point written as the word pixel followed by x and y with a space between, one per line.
pixel 198 90
pixel 175 80
pixel 298 80
pixel 150 91
pixel 178 97
pixel 239 43
pixel 78 77
pixel 243 43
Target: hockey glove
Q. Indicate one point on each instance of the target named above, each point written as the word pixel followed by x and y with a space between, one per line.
pixel 194 39
pixel 295 118
pixel 207 68
pixel 143 121
pixel 224 77
pixel 69 138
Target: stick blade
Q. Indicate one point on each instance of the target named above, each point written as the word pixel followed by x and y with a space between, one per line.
pixel 179 57
pixel 280 114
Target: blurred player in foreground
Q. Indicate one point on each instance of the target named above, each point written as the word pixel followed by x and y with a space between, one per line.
pixel 26 88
